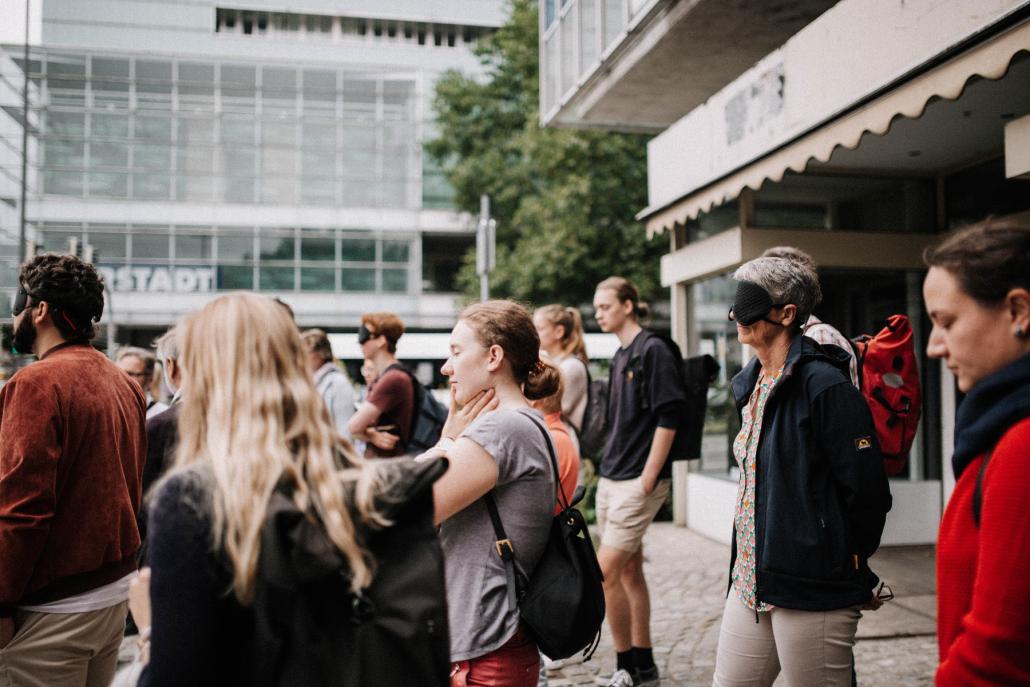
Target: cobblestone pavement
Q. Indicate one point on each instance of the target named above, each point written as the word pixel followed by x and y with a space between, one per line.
pixel 687 577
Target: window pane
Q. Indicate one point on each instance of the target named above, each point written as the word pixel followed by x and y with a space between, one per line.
pixel 359 97
pixel 239 87
pixel 276 278
pixel 396 251
pixel 63 183
pixel 358 279
pixel 113 125
pixel 150 246
pixel 192 247
pixel 157 158
pixel 109 245
pixel 57 241
pixel 235 247
pixel 395 281
pixel 66 123
pixel 154 128
pixel 239 162
pixel 152 186
pixel 317 279
pixel 239 189
pixel 319 89
pixel 65 153
pixel 235 277
pixel 358 193
pixel 277 248
pixel 358 250
pixel 108 154
pixel 238 131
pixel 318 191
pixel 107 185
pixel 317 249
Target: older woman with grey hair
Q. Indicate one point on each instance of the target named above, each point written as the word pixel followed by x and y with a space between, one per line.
pixel 812 497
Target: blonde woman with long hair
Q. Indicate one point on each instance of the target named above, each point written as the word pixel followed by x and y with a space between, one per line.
pixel 252 423
pixel 561 336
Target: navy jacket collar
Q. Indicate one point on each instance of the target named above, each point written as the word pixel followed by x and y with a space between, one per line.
pixel 802 349
pixel 996 403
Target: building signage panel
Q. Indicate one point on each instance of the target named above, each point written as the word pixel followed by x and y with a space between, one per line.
pixel 159 279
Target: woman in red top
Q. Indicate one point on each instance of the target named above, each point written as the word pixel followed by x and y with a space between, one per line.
pixel 977 293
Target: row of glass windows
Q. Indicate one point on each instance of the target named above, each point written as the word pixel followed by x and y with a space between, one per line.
pixel 123 82
pixel 159 242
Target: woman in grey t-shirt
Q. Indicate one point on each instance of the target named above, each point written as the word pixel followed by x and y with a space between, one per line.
pixel 493 442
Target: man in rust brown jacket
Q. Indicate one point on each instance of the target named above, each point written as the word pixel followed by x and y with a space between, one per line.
pixel 72 448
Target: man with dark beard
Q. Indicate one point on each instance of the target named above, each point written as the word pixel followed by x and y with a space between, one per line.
pixel 72 448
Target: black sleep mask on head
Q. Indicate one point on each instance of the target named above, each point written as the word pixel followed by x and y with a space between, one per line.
pixel 751 304
pixel 364 335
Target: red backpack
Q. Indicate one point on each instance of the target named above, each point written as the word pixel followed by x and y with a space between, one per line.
pixel 889 380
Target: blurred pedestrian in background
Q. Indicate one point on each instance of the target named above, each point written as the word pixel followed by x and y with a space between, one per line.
pixel 384 419
pixel 333 384
pixel 812 498
pixel 646 398
pixel 561 336
pixel 72 447
pixel 977 293
pixel 495 445
pixel 141 365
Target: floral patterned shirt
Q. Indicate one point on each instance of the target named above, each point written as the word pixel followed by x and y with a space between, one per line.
pixel 745 450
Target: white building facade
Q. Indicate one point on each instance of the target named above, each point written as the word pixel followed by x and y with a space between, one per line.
pixel 200 147
pixel 859 131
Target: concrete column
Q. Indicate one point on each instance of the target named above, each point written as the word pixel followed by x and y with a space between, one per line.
pixel 948 407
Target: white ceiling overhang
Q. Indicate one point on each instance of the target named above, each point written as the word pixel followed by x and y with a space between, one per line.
pixel 990 60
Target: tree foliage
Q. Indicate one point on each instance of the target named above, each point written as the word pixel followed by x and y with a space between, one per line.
pixel 564 199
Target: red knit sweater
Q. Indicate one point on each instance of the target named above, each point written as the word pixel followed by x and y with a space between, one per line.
pixel 983 573
pixel 72 447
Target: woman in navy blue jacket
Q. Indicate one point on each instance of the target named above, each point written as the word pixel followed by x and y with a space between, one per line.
pixel 812 498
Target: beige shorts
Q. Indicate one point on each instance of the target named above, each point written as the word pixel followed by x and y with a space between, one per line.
pixel 624 511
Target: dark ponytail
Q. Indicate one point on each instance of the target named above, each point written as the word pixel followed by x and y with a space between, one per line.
pixel 544 380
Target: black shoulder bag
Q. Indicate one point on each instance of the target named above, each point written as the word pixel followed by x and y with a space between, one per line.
pixel 562 602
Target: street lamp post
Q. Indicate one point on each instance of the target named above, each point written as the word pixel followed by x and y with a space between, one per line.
pixel 24 140
pixel 486 247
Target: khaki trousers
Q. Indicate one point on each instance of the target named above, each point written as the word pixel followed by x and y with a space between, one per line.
pixel 812 648
pixel 64 649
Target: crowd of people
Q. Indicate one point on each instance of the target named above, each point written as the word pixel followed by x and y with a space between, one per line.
pixel 112 501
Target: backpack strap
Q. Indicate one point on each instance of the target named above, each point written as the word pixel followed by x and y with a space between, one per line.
pixel 503 544
pixel 416 396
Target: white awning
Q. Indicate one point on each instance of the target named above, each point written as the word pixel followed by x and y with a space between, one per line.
pixel 989 60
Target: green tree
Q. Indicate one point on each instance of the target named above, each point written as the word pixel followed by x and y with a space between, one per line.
pixel 564 199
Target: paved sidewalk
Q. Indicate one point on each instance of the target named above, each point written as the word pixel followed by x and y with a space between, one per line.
pixel 687 577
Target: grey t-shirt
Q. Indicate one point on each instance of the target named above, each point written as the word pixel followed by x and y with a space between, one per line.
pixel 477 601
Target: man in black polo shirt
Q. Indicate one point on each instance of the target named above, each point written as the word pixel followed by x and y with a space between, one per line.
pixel 646 399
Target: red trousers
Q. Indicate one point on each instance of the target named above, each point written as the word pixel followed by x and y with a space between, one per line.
pixel 515 664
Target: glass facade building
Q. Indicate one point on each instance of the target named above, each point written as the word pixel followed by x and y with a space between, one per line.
pixel 209 149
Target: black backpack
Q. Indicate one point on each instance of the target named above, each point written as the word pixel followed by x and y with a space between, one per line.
pixel 593 434
pixel 311 631
pixel 562 602
pixel 695 374
pixel 427 418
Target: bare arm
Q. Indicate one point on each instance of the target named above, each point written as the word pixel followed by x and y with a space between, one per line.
pixel 661 444
pixel 472 473
pixel 361 426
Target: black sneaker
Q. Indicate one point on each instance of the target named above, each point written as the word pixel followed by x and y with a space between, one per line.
pixel 648 677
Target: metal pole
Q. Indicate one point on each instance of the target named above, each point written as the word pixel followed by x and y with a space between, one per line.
pixel 24 141
pixel 484 259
